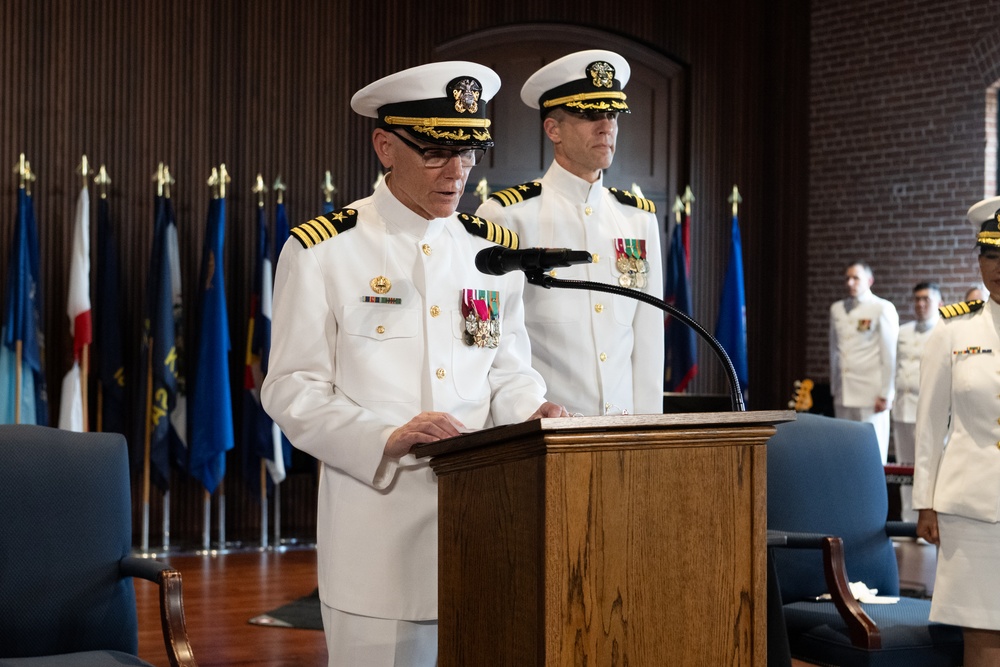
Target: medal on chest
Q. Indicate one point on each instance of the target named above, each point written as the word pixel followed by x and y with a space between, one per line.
pixel 481 317
pixel 630 260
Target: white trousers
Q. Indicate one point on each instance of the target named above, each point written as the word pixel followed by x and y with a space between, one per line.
pixel 880 420
pixel 362 641
pixel 905 437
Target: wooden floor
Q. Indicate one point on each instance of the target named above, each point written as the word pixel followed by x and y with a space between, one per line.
pixel 221 594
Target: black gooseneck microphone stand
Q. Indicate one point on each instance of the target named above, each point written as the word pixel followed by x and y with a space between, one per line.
pixel 542 279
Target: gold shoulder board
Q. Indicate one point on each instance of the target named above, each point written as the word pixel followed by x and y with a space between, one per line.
pixel 325 227
pixel 518 193
pixel 490 231
pixel 629 199
pixel 960 308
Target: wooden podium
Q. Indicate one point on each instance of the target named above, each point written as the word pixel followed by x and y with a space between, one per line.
pixel 627 540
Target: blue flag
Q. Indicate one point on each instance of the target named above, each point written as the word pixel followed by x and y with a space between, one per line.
pixel 680 355
pixel 22 327
pixel 211 398
pixel 158 366
pixel 108 325
pixel 262 438
pixel 731 330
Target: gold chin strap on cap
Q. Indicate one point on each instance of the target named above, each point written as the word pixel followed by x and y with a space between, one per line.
pixel 583 97
pixel 435 122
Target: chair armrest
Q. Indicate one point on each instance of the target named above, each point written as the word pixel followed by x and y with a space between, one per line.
pixel 863 631
pixel 175 636
pixel 861 628
pixel 901 529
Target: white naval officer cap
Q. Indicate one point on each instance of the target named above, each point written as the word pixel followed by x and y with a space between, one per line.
pixel 986 216
pixel 582 82
pixel 441 103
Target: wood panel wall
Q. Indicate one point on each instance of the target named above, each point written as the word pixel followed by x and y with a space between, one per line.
pixel 264 87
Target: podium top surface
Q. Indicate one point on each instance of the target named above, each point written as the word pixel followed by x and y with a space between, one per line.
pixel 500 434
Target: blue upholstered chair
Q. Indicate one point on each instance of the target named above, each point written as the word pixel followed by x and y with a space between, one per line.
pixel 66 591
pixel 827 500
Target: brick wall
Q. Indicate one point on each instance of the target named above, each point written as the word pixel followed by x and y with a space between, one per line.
pixel 900 129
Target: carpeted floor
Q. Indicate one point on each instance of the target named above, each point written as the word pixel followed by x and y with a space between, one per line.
pixel 303 613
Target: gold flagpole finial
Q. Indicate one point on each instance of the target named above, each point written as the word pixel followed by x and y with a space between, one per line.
pixel 213 182
pixel 103 181
pixel 260 189
pixel 735 199
pixel 328 188
pixel 483 190
pixel 637 191
pixel 678 208
pixel 168 180
pixel 21 170
pixel 158 179
pixel 688 199
pixel 84 170
pixel 279 187
pixel 29 177
pixel 223 179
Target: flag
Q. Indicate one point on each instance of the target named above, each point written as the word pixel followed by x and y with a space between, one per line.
pixel 22 326
pixel 178 433
pixel 262 437
pixel 158 365
pixel 71 416
pixel 212 409
pixel 731 329
pixel 108 325
pixel 680 354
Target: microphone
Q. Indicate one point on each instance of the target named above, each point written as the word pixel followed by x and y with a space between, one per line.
pixel 497 260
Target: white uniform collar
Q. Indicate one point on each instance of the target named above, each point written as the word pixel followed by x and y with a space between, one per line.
pixel 572 186
pixel 400 219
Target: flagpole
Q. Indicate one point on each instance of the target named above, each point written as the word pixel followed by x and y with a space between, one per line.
pixel 279 189
pixel 22 171
pixel 259 188
pixel 102 180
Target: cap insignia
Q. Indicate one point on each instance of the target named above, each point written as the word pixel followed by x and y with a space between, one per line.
pixel 466 92
pixel 602 74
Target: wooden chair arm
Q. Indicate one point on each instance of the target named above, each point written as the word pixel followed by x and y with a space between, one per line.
pixel 175 637
pixel 861 628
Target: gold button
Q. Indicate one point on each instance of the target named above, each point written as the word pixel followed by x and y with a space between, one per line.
pixel 435 311
pixel 380 329
pixel 604 357
pixel 595 257
pixel 552 273
pixel 588 210
pixel 998 445
pixel 599 307
pixel 440 374
pixel 427 249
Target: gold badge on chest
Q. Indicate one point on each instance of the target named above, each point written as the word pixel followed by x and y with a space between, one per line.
pixel 380 284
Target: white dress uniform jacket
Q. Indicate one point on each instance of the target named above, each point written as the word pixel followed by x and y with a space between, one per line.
pixel 348 367
pixel 957 468
pixel 863 351
pixel 597 352
pixel 908 352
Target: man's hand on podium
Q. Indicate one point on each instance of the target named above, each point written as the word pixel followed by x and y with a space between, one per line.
pixel 548 409
pixel 425 427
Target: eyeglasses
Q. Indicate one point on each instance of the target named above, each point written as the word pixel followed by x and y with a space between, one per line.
pixel 438 157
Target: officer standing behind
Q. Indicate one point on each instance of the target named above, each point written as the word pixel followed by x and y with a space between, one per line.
pixel 912 337
pixel 863 333
pixel 385 336
pixel 958 456
pixel 599 354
